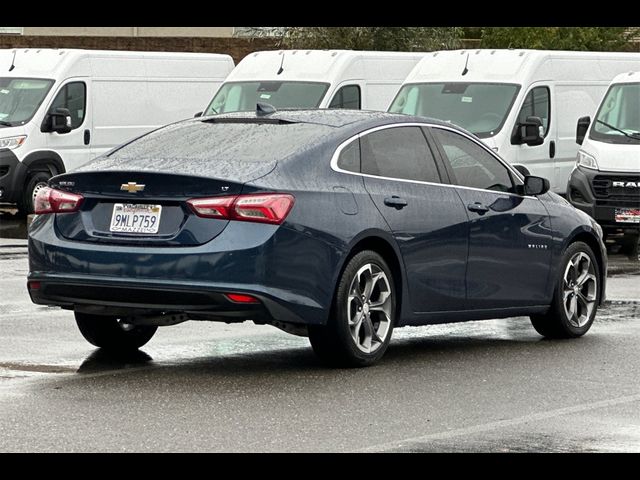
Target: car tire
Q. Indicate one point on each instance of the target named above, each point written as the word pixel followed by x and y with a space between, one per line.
pixel 576 295
pixel 35 182
pixel 111 333
pixel 362 314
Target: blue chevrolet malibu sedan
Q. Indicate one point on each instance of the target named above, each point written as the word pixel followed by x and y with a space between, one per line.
pixel 336 225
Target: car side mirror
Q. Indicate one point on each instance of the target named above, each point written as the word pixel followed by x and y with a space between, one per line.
pixel 531 131
pixel 582 128
pixel 197 115
pixel 57 121
pixel 535 185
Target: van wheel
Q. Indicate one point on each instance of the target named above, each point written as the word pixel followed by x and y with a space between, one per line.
pixel 111 333
pixel 576 296
pixel 36 182
pixel 362 316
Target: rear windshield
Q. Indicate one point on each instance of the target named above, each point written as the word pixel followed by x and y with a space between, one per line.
pixel 212 142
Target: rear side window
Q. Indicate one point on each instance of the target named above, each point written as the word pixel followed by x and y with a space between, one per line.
pixel 401 153
pixel 347 97
pixel 349 158
pixel 472 165
pixel 72 96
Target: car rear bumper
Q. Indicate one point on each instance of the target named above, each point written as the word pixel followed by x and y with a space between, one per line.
pixel 117 297
pixel 266 262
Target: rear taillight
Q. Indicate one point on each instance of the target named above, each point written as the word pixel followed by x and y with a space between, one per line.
pixel 263 208
pixel 49 200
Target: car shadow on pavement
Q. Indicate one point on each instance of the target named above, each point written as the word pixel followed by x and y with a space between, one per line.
pixel 103 360
pixel 302 363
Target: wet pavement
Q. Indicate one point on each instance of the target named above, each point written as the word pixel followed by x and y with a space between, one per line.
pixel 492 386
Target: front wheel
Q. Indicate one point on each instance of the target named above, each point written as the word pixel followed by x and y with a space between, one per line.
pixel 362 315
pixel 576 296
pixel 111 333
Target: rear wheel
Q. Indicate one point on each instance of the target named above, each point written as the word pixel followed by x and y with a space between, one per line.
pixel 362 315
pixel 36 182
pixel 111 333
pixel 576 297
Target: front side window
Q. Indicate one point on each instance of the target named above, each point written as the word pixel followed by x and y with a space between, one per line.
pixel 20 99
pixel 471 165
pixel 618 119
pixel 481 108
pixel 73 96
pixel 347 97
pixel 243 96
pixel 536 104
pixel 400 152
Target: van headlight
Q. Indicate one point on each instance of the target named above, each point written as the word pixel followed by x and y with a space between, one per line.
pixel 587 161
pixel 12 142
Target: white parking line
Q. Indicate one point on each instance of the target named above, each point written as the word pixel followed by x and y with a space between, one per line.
pixel 485 427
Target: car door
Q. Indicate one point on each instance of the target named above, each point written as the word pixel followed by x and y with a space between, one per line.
pixel 74 147
pixel 509 234
pixel 424 216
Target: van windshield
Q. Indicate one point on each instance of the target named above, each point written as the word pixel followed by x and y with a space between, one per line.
pixel 618 119
pixel 481 108
pixel 20 99
pixel 243 96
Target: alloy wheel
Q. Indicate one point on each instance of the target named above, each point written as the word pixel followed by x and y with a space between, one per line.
pixel 579 288
pixel 369 308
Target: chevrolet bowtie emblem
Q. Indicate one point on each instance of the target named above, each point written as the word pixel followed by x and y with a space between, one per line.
pixel 131 187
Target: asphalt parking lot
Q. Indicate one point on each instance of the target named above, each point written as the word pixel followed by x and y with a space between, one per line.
pixel 492 386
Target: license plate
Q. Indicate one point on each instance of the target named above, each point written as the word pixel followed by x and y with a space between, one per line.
pixel 628 215
pixel 135 218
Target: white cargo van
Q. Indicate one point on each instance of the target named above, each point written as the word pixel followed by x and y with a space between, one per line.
pixel 605 182
pixel 314 79
pixel 522 103
pixel 60 108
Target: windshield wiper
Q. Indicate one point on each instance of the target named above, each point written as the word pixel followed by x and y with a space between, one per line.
pixel 6 124
pixel 634 135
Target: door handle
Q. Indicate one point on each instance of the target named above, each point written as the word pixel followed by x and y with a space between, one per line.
pixel 478 208
pixel 552 149
pixel 87 137
pixel 396 202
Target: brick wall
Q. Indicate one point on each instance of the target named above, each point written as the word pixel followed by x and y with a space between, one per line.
pixel 238 48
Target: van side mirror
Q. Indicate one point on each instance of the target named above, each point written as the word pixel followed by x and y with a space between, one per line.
pixel 535 185
pixel 582 128
pixel 531 132
pixel 57 121
pixel 197 115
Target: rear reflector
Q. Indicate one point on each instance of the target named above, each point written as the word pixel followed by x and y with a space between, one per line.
pixel 263 208
pixel 239 298
pixel 49 200
pixel 33 285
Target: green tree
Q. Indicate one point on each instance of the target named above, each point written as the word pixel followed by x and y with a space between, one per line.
pixel 373 38
pixel 559 38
